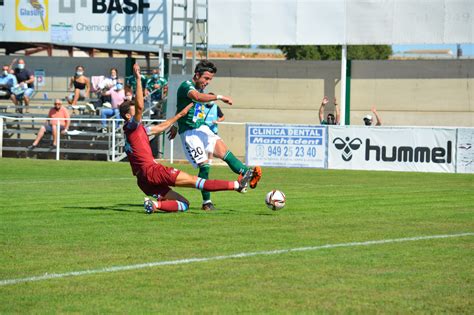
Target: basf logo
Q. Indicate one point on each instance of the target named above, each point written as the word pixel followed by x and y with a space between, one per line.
pixel 409 149
pixel 105 6
pixel 31 15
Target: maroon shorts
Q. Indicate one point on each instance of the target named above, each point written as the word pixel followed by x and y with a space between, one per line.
pixel 156 179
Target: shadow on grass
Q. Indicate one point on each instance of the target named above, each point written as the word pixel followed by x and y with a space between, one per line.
pixel 118 207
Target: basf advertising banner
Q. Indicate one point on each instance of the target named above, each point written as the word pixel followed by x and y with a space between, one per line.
pixel 465 150
pixel 286 145
pixel 84 21
pixel 392 149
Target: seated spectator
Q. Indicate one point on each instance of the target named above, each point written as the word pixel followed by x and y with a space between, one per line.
pixel 109 82
pixel 156 86
pixel 58 111
pixel 25 80
pixel 368 120
pixel 7 82
pixel 117 95
pixel 331 119
pixel 80 86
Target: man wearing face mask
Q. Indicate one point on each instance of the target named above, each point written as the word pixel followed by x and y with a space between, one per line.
pixel 7 81
pixel 117 95
pixel 157 86
pixel 25 79
pixel 331 119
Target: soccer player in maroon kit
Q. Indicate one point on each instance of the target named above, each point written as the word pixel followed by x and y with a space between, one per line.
pixel 153 178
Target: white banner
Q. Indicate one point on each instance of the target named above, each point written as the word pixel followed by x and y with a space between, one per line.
pixel 392 149
pixel 286 145
pixel 231 22
pixel 465 150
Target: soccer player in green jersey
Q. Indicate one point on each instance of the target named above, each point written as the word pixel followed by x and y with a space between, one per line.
pixel 200 144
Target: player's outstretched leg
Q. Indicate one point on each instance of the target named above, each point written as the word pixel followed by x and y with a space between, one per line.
pixel 185 180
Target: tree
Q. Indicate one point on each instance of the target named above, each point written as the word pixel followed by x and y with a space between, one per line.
pixel 333 52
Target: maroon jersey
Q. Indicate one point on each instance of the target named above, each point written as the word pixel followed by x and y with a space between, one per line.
pixel 137 146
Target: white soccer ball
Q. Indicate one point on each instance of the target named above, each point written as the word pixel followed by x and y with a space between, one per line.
pixel 275 200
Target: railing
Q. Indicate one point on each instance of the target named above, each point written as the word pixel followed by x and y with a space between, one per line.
pixel 115 141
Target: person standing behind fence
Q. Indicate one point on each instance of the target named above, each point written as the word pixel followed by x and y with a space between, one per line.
pixel 368 119
pixel 117 95
pixel 80 86
pixel 26 81
pixel 57 111
pixel 331 119
pixel 156 86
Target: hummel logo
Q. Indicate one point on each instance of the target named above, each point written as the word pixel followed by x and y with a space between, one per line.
pixel 347 146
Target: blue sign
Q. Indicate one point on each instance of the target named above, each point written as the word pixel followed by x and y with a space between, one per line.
pixel 286 145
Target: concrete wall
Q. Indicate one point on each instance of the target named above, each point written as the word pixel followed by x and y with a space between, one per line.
pixel 417 93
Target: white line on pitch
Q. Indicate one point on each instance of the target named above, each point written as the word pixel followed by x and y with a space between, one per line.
pixel 47 276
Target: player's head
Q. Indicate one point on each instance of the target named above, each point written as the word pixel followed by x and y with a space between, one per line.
pixel 203 73
pixel 331 119
pixel 127 110
pixel 367 120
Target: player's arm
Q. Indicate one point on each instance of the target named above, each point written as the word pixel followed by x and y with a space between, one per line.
pixel 321 108
pixel 139 103
pixel 379 121
pixel 338 112
pixel 206 98
pixel 157 129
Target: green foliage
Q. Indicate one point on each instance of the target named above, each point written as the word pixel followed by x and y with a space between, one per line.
pixel 63 216
pixel 333 52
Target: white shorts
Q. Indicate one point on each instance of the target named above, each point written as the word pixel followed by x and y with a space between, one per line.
pixel 198 144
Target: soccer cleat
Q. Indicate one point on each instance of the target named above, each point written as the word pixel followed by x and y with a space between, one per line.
pixel 244 181
pixel 208 206
pixel 256 176
pixel 149 206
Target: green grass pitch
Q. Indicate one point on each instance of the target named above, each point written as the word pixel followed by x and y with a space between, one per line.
pixel 63 216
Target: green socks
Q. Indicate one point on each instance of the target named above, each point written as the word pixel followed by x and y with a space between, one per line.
pixel 234 163
pixel 204 170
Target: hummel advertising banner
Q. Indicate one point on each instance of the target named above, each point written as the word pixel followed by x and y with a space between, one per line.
pixel 465 151
pixel 392 149
pixel 286 145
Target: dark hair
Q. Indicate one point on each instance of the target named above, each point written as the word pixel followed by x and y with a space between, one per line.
pixel 124 108
pixel 331 119
pixel 116 71
pixel 79 66
pixel 205 65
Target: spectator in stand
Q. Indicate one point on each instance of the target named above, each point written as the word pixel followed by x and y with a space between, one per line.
pixel 57 111
pixel 368 120
pixel 105 85
pixel 7 81
pixel 117 95
pixel 25 79
pixel 156 86
pixel 331 119
pixel 80 86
